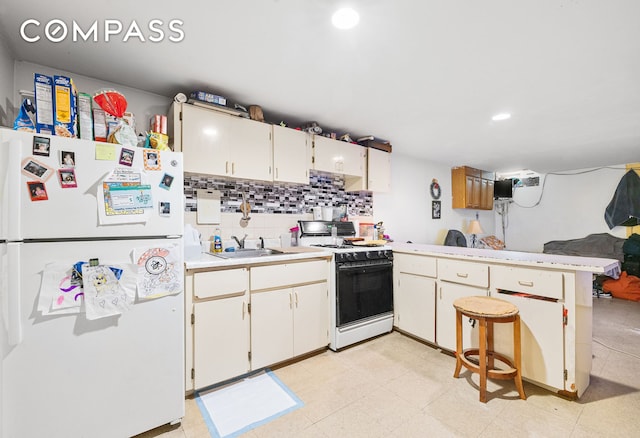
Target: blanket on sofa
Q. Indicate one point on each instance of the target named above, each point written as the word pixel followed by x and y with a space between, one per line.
pixel 602 245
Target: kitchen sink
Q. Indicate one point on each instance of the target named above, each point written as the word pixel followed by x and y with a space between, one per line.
pixel 247 253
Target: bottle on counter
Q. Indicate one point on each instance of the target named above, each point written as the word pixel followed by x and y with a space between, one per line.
pixel 217 241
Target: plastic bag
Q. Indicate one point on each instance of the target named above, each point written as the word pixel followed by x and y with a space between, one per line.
pixel 26 117
pixel 123 134
pixel 111 101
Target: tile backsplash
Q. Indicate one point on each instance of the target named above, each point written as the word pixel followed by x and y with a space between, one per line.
pixel 279 198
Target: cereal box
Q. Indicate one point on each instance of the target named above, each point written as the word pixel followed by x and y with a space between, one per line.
pixel 99 124
pixel 64 107
pixel 43 88
pixel 85 116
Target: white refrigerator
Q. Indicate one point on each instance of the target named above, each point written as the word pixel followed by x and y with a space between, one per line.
pixel 91 298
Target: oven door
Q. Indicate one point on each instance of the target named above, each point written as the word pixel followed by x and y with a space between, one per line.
pixel 363 290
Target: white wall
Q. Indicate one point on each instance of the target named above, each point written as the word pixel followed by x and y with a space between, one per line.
pixel 406 211
pixel 142 104
pixel 571 207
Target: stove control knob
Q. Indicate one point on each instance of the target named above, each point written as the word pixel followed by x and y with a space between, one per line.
pixel 348 256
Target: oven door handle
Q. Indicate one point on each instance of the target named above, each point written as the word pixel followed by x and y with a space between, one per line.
pixel 375 267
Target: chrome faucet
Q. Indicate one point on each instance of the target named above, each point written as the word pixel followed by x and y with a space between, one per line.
pixel 240 241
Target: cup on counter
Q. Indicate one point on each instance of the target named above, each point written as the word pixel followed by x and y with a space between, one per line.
pixel 285 240
pixel 327 213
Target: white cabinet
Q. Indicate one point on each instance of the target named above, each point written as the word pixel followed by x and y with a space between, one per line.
pixel 378 170
pixel 288 322
pixel 218 326
pixel 288 319
pixel 414 295
pixel 337 156
pixel 446 316
pixel 535 292
pixel 458 279
pixel 291 155
pixel 216 143
pixel 221 335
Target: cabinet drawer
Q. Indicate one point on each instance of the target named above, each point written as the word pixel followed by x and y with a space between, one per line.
pixel 217 283
pixel 289 274
pixel 534 281
pixel 456 271
pixel 415 264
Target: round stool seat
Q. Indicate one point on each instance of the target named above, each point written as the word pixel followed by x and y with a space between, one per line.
pixel 485 307
pixel 487 311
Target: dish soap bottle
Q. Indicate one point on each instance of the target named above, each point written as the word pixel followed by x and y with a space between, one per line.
pixel 217 241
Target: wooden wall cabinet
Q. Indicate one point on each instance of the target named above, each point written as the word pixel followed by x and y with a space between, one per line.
pixel 472 188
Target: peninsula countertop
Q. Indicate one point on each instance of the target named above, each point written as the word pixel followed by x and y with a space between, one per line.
pixel 595 265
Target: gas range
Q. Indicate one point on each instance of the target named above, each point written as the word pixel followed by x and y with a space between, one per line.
pixel 319 234
pixel 361 298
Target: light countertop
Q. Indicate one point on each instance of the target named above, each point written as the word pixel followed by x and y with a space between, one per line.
pixel 207 260
pixel 609 267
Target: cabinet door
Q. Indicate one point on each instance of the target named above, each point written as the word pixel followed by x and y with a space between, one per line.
pixel 378 170
pixel 291 155
pixel 205 141
pixel 415 305
pixel 310 318
pixel 338 156
pixel 271 327
pixel 250 151
pixel 446 316
pixel 542 339
pixel 221 340
pixel 472 191
pixel 486 194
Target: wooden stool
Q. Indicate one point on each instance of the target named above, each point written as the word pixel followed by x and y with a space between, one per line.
pixel 486 311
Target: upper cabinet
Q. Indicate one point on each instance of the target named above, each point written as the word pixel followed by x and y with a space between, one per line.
pixel 337 156
pixel 216 143
pixel 378 170
pixel 219 144
pixel 291 155
pixel 472 188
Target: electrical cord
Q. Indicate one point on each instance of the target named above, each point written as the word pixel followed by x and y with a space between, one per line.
pixel 544 182
pixel 597 341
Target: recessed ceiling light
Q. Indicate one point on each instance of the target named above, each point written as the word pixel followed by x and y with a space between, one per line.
pixel 345 18
pixel 501 116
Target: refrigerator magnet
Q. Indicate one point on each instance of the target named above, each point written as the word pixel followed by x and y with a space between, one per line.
pixel 41 146
pixel 37 191
pixel 151 159
pixel 67 159
pixel 164 208
pixel 166 181
pixel 35 169
pixel 67 178
pixel 126 157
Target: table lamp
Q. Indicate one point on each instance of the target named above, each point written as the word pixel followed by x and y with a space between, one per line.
pixel 474 229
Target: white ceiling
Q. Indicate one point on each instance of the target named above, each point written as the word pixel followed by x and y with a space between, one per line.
pixel 425 74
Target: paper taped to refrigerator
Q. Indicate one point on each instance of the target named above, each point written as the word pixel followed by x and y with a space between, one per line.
pixel 160 271
pixel 103 294
pixel 124 197
pixel 59 293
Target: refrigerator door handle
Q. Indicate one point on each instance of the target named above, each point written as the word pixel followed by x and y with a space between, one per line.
pixel 14 325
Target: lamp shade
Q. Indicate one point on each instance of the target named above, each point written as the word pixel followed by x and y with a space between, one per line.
pixel 475 228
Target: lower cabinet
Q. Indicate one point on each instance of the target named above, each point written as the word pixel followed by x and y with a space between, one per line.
pixel 446 316
pixel 288 322
pixel 414 299
pixel 218 326
pixel 221 338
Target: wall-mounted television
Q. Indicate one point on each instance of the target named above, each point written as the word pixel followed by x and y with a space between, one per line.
pixel 503 189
